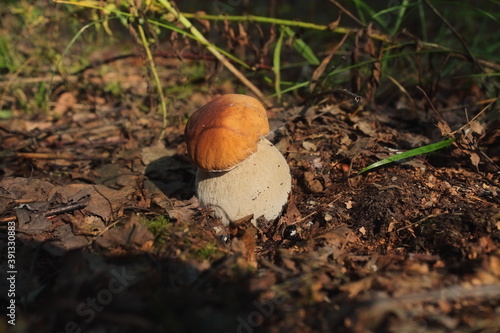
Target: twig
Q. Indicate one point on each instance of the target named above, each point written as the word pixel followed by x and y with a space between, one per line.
pixel 35 80
pixel 303 218
pixel 288 23
pixel 81 204
pixel 432 105
pixel 260 19
pixel 452 293
pixel 428 217
pixel 403 90
pixel 59 156
pixel 475 117
pixel 348 13
pixel 15 132
pixel 274 267
pixel 64 208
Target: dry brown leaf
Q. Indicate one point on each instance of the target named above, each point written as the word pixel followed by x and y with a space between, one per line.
pixel 88 225
pixel 332 242
pixel 183 210
pixel 133 234
pixel 84 208
pixel 365 127
pixel 475 159
pixel 291 214
pixel 318 72
pixel 243 234
pixel 65 240
pixel 444 128
pixel 356 287
pixel 23 190
pixel 204 23
pixel 243 36
pixel 106 203
pixel 64 103
pixel 312 184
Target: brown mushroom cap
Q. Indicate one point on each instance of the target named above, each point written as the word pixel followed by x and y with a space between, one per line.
pixel 224 132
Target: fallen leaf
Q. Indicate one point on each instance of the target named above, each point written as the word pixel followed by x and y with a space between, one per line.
pixel 65 101
pixel 243 234
pixel 354 288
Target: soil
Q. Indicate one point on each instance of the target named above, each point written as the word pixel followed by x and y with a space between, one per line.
pixel 110 236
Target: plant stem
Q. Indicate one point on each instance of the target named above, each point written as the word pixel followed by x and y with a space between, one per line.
pixel 211 48
pixel 277 65
pixel 260 19
pixel 289 23
pixel 156 78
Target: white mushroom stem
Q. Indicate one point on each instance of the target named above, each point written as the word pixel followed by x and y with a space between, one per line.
pixel 260 185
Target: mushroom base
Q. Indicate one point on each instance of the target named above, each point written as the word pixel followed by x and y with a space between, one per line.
pixel 258 186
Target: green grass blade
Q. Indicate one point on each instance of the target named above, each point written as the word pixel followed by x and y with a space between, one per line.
pixel 297 86
pixel 173 27
pixel 277 64
pixel 168 25
pixel 399 20
pixel 58 66
pixel 410 153
pixel 300 46
pixel 154 72
pixel 481 75
pixel 423 21
pixel 487 14
pixel 361 7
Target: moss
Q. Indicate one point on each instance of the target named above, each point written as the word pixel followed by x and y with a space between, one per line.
pixel 159 227
pixel 206 251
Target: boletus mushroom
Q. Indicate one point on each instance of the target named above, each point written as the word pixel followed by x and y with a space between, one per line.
pixel 240 173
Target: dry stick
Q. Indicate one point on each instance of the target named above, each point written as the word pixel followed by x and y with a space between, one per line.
pixel 452 293
pixel 318 72
pixel 35 80
pixel 379 306
pixel 432 105
pixel 468 124
pixel 493 100
pixel 475 117
pixel 348 13
pixel 428 217
pixel 264 19
pixel 298 24
pixel 186 23
pixel 403 90
pixel 59 156
pixel 63 209
pixel 464 106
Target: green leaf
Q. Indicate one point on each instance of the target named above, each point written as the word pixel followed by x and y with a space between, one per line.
pixel 410 153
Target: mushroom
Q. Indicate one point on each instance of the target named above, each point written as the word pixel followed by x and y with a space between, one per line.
pixel 240 173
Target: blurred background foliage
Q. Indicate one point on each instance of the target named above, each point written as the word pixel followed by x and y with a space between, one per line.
pixel 423 47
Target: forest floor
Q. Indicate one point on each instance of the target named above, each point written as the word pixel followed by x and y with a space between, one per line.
pixel 110 236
